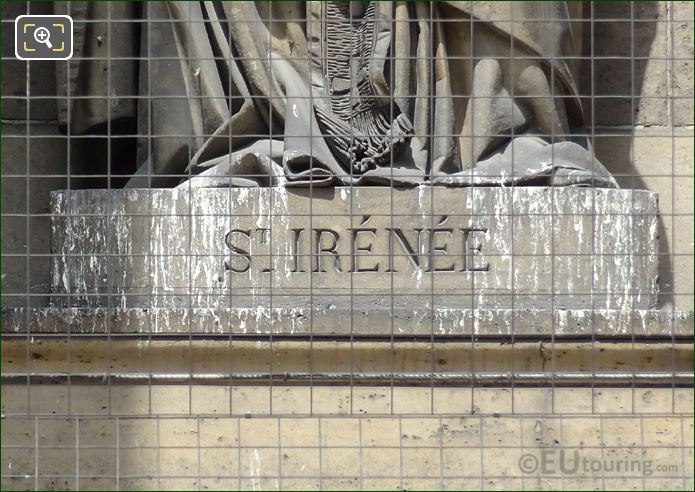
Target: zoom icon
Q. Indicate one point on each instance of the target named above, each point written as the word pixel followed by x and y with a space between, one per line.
pixel 43 37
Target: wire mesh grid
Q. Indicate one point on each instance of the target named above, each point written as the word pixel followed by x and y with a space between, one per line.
pixel 123 370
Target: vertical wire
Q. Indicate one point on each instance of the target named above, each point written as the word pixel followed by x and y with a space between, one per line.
pixel 321 447
pixel 149 162
pixel 193 98
pixel 109 273
pixel 512 194
pixel 198 445
pixel 400 447
pixel 322 26
pixel 392 365
pixel 481 449
pixel 435 35
pixel 118 452
pixel 27 300
pixel 227 278
pixel 352 218
pixel 592 91
pixel 270 191
pixel 36 453
pixel 670 59
pixel 158 452
pixel 631 218
pixel 441 450
pixel 553 227
pixel 77 452
pixel 602 445
pixel 472 201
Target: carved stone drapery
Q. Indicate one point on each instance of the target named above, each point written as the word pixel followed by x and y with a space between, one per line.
pixel 330 93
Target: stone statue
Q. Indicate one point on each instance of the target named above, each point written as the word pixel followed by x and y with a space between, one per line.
pixel 337 93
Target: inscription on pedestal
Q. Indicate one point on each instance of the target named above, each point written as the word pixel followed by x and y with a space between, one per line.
pixel 440 249
pixel 459 248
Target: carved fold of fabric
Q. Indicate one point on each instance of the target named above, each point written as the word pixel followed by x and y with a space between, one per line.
pixel 354 92
pixel 91 73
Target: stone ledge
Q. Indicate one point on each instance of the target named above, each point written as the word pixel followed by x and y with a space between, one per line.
pixel 160 361
pixel 339 322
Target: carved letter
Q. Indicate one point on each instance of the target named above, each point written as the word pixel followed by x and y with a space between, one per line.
pixel 442 249
pixel 356 249
pixel 412 254
pixel 295 253
pixel 236 250
pixel 331 250
pixel 471 251
pixel 264 238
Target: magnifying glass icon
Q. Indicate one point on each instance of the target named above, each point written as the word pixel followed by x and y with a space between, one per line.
pixel 43 35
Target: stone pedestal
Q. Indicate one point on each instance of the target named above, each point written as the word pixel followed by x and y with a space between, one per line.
pixel 363 251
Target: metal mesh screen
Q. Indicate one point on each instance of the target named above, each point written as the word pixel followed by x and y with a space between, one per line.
pixel 203 267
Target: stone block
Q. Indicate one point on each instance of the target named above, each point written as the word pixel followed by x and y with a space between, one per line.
pixel 618 400
pixel 98 432
pixel 19 432
pixel 572 400
pixel 259 432
pixel 541 432
pixel 500 431
pixel 169 248
pixel 291 400
pixel 331 400
pixel 492 400
pixel 412 400
pixel 620 432
pixel 178 462
pixel 340 431
pixel 662 431
pixel 177 432
pixel 425 462
pixel 301 462
pixel 455 401
pixel 380 431
pixel 98 462
pixel 464 431
pixel 420 432
pixel 210 400
pixel 340 462
pixel 250 400
pixel 219 432
pixel 379 462
pixel 654 400
pixel 299 432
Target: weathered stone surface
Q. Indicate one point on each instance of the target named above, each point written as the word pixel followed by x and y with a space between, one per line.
pixel 660 159
pixel 430 448
pixel 454 361
pixel 43 155
pixel 481 248
pixel 324 320
pixel 683 53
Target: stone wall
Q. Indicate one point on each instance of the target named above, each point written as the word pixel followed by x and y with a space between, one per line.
pixel 343 438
